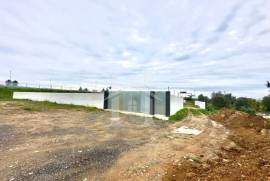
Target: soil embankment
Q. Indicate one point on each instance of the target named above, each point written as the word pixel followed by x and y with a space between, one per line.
pixel 245 157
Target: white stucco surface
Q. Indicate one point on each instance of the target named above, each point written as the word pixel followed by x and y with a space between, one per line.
pixel 176 104
pixel 200 104
pixel 84 99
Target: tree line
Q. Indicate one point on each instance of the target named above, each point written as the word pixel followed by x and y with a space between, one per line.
pixel 221 100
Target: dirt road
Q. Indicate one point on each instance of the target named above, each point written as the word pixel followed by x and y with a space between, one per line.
pixel 77 145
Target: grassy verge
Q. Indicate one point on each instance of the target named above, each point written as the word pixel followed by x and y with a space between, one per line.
pixel 6 93
pixel 45 106
pixel 183 113
pixel 179 115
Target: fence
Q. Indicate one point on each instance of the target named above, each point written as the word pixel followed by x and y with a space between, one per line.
pixel 52 86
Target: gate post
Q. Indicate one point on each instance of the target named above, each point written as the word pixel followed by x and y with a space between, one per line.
pixel 152 102
pixel 106 97
pixel 168 103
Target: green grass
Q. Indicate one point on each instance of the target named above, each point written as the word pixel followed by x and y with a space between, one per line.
pixel 189 103
pixel 45 106
pixel 6 93
pixel 179 115
pixel 183 113
pixel 195 112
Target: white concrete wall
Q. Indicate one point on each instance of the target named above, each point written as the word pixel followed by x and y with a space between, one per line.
pixel 176 104
pixel 200 104
pixel 84 99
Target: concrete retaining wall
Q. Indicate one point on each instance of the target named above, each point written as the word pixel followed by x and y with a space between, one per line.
pixel 84 99
pixel 176 103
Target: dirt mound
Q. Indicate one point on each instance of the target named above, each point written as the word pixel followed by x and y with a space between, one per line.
pixel 236 119
pixel 245 157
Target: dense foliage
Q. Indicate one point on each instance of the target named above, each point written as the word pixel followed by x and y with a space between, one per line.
pixel 222 100
pixel 203 98
pixel 266 103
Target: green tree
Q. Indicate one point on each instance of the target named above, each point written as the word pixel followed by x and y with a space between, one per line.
pixel 203 98
pixel 242 102
pixel 266 103
pixel 246 105
pixel 230 100
pixel 220 100
pixel 80 89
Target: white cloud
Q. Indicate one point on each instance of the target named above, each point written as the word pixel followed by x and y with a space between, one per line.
pixel 204 51
pixel 137 39
pixel 214 46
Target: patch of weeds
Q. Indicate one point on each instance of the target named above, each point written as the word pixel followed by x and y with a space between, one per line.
pixel 206 112
pixel 183 113
pixel 196 112
pixel 27 109
pixel 45 106
pixel 189 103
pixel 6 93
pixel 267 123
pixel 179 115
pixel 248 110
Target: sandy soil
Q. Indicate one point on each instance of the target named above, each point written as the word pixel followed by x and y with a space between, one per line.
pixel 76 145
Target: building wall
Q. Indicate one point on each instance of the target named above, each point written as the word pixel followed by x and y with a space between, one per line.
pixel 200 104
pixel 131 101
pixel 176 103
pixel 160 103
pixel 84 99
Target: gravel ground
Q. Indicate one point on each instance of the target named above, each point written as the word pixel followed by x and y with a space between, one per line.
pixel 77 145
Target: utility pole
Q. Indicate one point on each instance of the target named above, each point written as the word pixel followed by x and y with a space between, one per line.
pixel 51 84
pixel 10 75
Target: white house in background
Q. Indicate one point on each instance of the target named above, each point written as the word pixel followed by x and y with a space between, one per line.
pixel 185 94
pixel 10 83
pixel 201 104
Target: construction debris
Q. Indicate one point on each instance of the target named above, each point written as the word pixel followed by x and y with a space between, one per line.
pixel 187 130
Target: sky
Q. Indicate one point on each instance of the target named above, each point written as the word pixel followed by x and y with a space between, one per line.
pixel 198 45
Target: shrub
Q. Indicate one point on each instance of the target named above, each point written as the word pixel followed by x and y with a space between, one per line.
pixel 195 112
pixel 266 103
pixel 220 100
pixel 210 108
pixel 204 111
pixel 248 110
pixel 242 102
pixel 180 115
